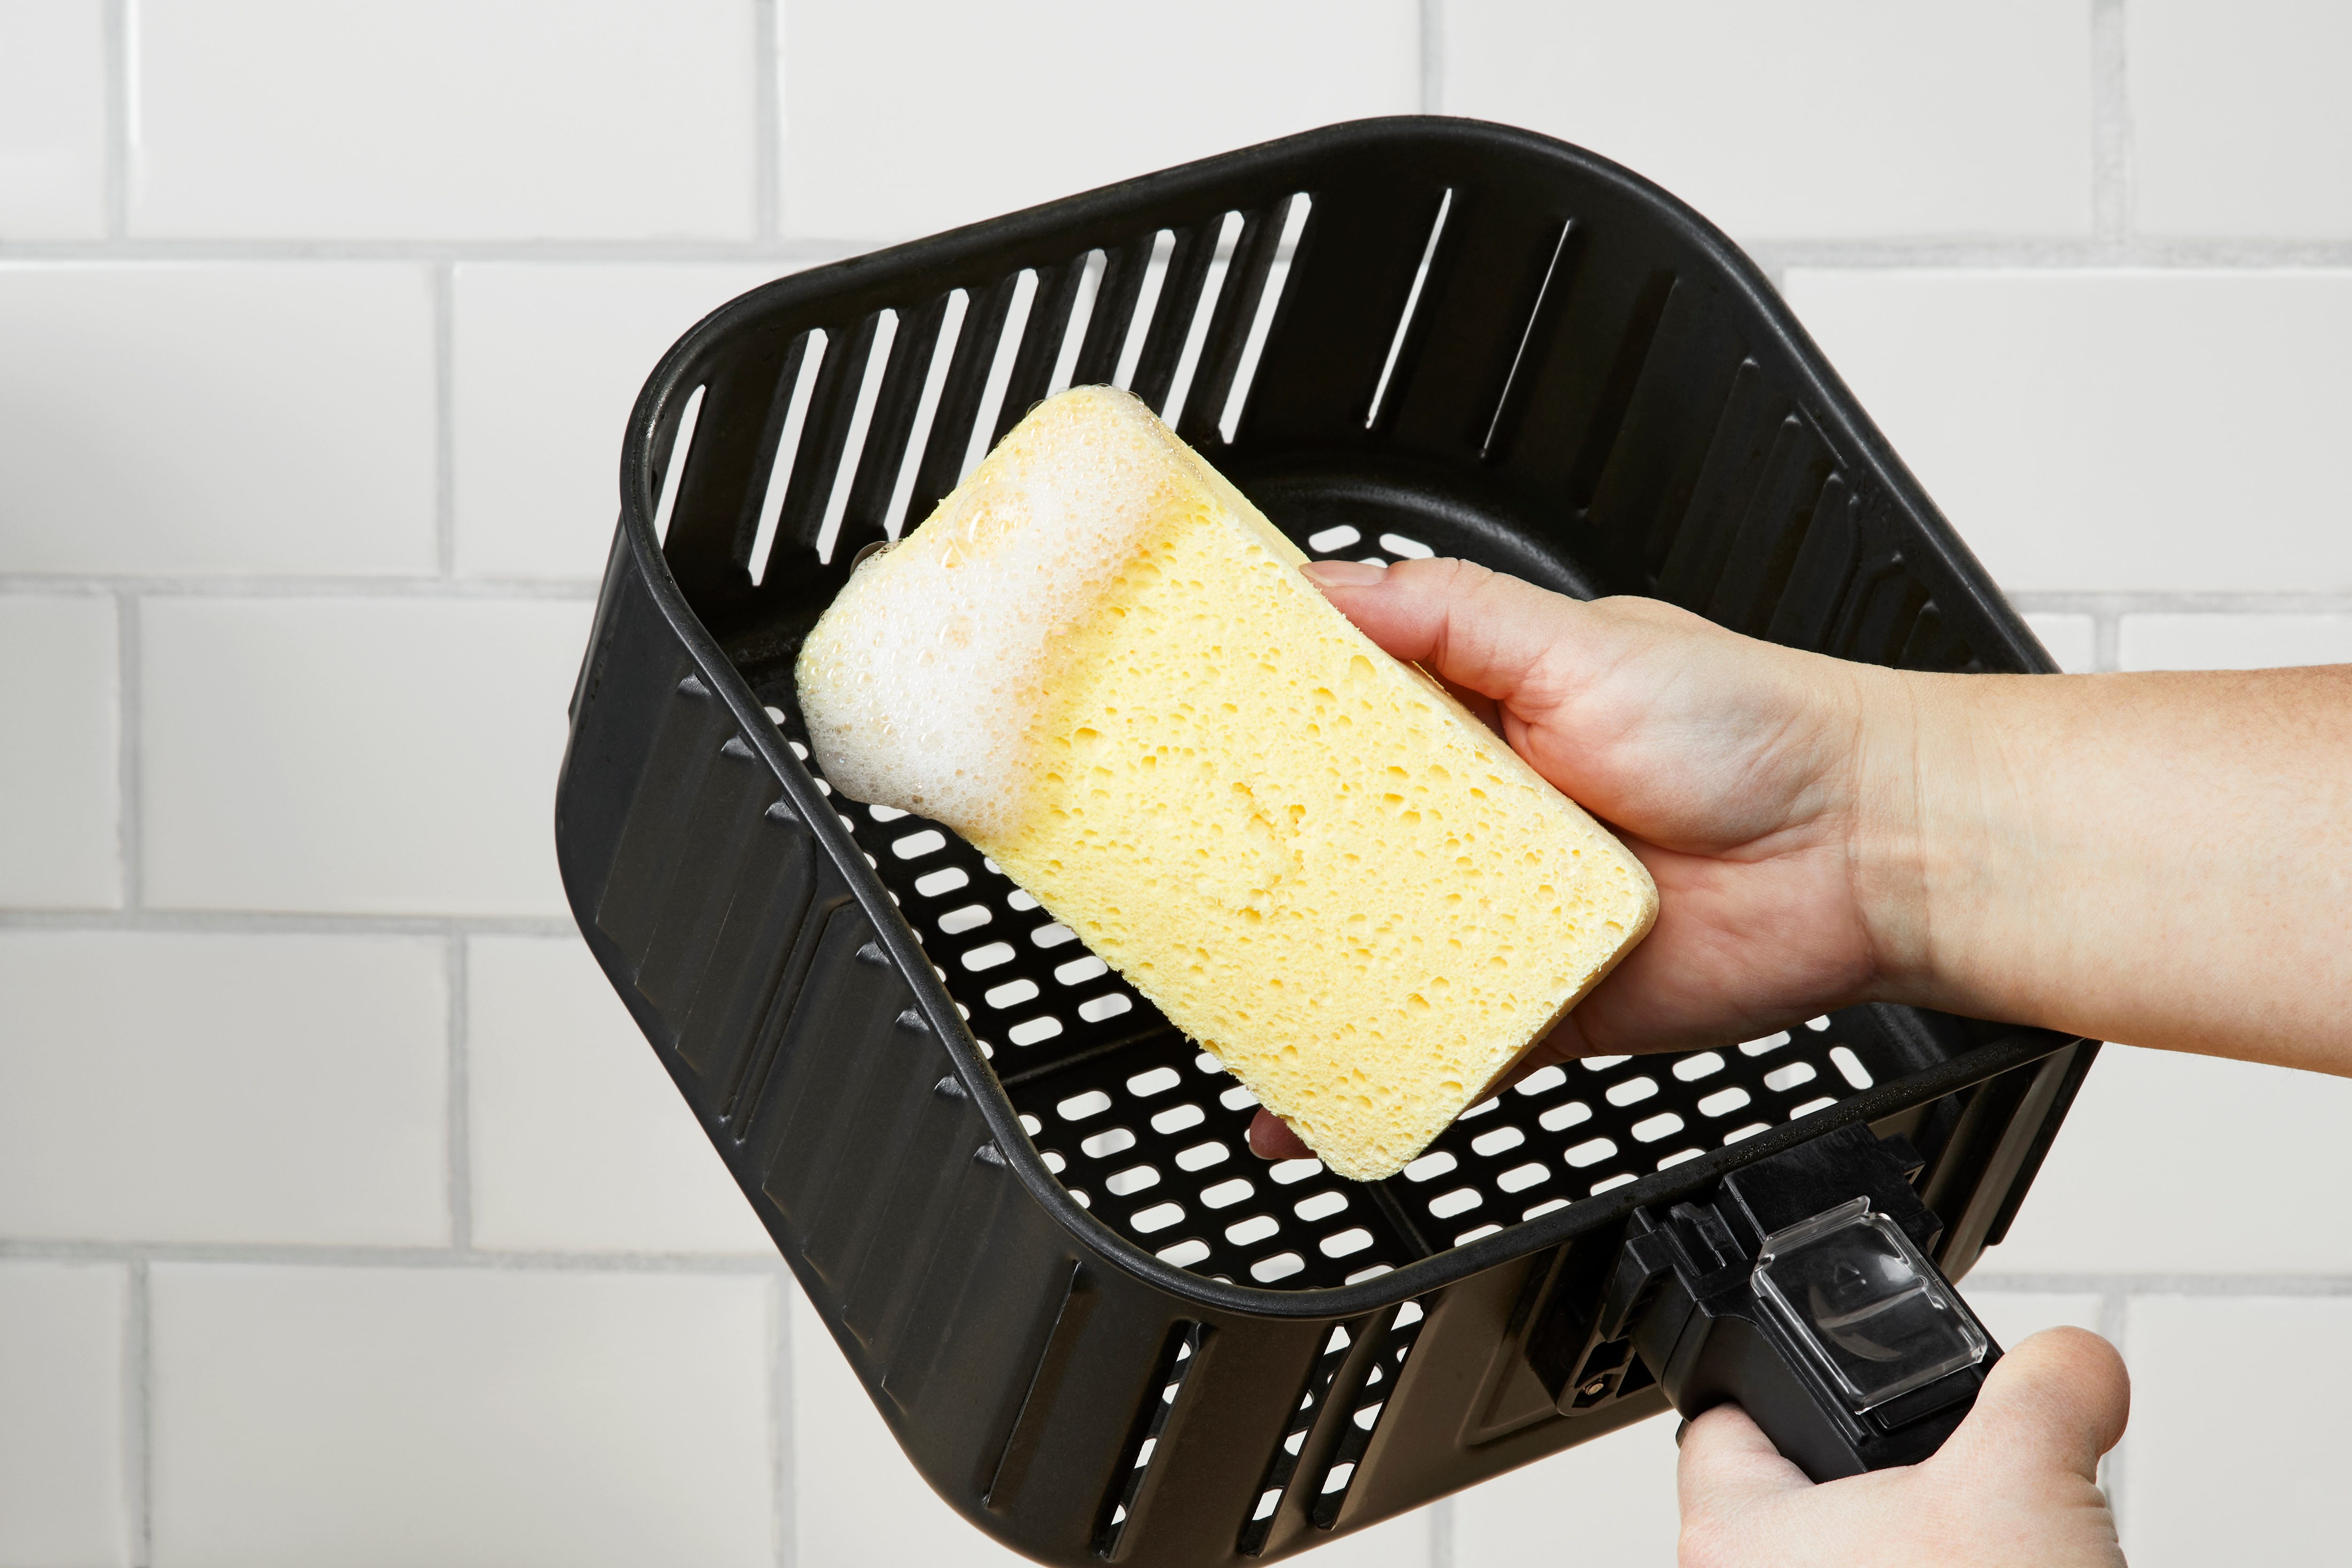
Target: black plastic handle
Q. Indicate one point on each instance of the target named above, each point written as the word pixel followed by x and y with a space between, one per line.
pixel 1803 1290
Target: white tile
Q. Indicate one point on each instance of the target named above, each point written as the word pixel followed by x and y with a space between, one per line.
pixel 63 1495
pixel 2171 1163
pixel 549 361
pixel 2234 642
pixel 2112 430
pixel 1005 105
pixel 60 841
pixel 388 1417
pixel 580 1140
pixel 2072 640
pixel 52 119
pixel 2236 1451
pixel 2240 124
pixel 1608 1503
pixel 201 417
pixel 170 1087
pixel 394 755
pixel 1838 118
pixel 2015 1316
pixel 848 1472
pixel 445 119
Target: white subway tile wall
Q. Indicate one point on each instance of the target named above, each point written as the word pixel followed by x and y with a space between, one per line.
pixel 382 1417
pixel 61 764
pixel 185 1086
pixel 579 1142
pixel 175 417
pixel 547 360
pixel 1814 123
pixel 445 119
pixel 365 754
pixel 52 119
pixel 343 1214
pixel 65 1496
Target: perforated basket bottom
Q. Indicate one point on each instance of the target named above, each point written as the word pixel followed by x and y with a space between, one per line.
pixel 1149 1132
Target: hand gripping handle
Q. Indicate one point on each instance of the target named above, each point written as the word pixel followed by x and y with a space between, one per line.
pixel 1802 1288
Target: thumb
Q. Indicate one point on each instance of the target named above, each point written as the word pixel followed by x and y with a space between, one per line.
pixel 1728 1467
pixel 1477 630
pixel 2053 1405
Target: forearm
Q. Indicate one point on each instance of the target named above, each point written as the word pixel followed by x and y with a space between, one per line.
pixel 2161 859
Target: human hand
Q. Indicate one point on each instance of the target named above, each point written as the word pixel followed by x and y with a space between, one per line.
pixel 2016 1484
pixel 1734 770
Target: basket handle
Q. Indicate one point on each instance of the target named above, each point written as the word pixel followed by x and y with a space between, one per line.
pixel 1802 1288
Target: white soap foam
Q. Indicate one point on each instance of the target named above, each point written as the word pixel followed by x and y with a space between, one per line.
pixel 921 681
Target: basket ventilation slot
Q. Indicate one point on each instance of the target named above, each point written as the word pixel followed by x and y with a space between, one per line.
pixel 1283 1462
pixel 1176 1362
pixel 1371 1401
pixel 1412 309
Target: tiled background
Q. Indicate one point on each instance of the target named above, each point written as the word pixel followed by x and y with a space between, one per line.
pixel 317 324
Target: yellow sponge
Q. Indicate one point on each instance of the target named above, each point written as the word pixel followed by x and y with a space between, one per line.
pixel 1100 664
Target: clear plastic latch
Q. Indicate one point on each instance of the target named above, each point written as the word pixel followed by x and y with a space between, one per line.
pixel 1876 1316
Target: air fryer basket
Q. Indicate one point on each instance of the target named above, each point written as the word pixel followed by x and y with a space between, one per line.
pixel 1022 1202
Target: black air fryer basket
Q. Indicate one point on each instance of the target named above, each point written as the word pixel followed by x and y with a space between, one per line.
pixel 1021 1200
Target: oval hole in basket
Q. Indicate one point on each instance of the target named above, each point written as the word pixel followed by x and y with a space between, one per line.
pixel 1723 1102
pixel 1521 1177
pixel 1132 1180
pixel 1184 1254
pixel 1664 1124
pixel 1592 1151
pixel 1177 1118
pixel 1320 1205
pixel 1281 1266
pixel 1791 1075
pixel 1285 1172
pixel 1347 1243
pixel 1078 1107
pixel 1430 1166
pixel 1108 1142
pixel 1226 1194
pixel 1691 1068
pixel 1542 1080
pixel 1462 1200
pixel 1096 1009
pixel 1499 1141
pixel 1145 1085
pixel 1032 1030
pixel 1632 1091
pixel 1563 1116
pixel 1078 971
pixel 1158 1216
pixel 1201 1157
pixel 1256 1228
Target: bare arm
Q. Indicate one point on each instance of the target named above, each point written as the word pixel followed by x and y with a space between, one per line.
pixel 2164 858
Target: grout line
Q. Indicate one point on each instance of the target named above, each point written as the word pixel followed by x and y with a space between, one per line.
pixel 461 1111
pixel 117 45
pixel 2114 1324
pixel 783 1473
pixel 2106 642
pixel 138 1416
pixel 767 120
pixel 2052 255
pixel 286 922
pixel 2111 129
pixel 445 422
pixel 2133 1284
pixel 304 587
pixel 2176 602
pixel 130 824
pixel 1433 56
pixel 796 252
pixel 348 1256
pixel 1441 1533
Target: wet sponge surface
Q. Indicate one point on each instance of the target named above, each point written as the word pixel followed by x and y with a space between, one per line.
pixel 1310 857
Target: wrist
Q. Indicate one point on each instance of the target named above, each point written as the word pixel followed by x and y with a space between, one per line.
pixel 1921 784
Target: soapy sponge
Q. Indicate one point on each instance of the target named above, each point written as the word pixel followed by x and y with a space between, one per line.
pixel 1100 664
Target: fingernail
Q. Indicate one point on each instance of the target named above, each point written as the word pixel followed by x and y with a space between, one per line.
pixel 1343 573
